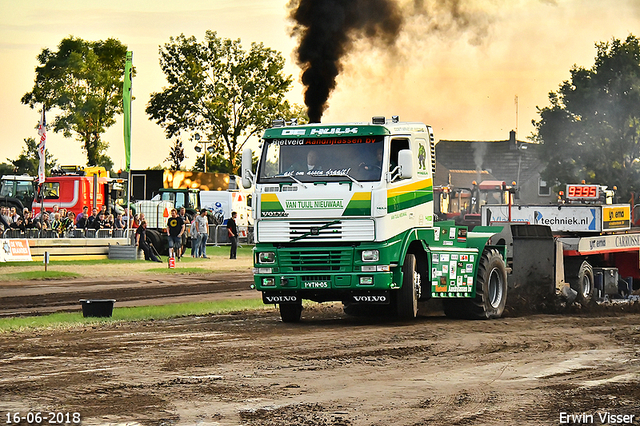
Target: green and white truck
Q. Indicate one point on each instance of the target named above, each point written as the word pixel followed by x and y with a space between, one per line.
pixel 344 212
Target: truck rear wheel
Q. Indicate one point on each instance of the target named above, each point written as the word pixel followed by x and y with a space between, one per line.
pixel 491 291
pixel 491 287
pixel 290 312
pixel 407 296
pixel 583 283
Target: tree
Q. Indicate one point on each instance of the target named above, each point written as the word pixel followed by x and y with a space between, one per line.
pixel 84 81
pixel 591 130
pixel 6 169
pixel 221 91
pixel 28 160
pixel 176 155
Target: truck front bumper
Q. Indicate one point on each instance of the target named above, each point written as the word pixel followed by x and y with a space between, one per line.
pixel 324 281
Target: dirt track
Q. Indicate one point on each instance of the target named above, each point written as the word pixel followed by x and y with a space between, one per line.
pixel 251 369
pixel 38 297
pixel 331 369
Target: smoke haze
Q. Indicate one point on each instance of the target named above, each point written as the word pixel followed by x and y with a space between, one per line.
pixel 328 30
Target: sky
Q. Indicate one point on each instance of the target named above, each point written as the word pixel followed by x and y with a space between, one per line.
pixel 462 80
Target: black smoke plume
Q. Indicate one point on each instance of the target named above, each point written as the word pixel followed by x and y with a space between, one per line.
pixel 326 30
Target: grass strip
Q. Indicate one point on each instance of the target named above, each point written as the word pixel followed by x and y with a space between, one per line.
pixel 124 314
pixel 40 275
pixel 179 270
pixel 212 251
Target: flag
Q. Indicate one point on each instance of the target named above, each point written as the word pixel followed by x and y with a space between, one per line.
pixel 126 108
pixel 42 131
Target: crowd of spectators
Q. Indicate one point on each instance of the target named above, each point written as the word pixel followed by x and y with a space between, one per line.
pixel 59 221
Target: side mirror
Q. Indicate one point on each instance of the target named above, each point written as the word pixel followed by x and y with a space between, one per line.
pixel 247 174
pixel 405 163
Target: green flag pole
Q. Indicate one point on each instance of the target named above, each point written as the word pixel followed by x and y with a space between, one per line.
pixel 126 107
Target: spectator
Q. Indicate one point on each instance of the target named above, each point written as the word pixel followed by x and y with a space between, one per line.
pixel 5 218
pixel 232 230
pixel 136 221
pixel 99 223
pixel 185 219
pixel 175 229
pixel 19 224
pixel 13 214
pixel 141 242
pixel 68 222
pixel 92 219
pixel 81 220
pixel 28 220
pixel 56 224
pixel 127 219
pixel 109 222
pixel 119 223
pixel 194 238
pixel 202 228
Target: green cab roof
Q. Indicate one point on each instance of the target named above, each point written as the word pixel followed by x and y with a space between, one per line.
pixel 309 131
pixel 327 130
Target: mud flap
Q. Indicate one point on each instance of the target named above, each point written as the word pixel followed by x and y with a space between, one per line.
pixel 532 281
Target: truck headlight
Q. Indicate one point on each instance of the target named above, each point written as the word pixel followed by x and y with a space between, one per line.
pixel 366 280
pixel 269 282
pixel 266 257
pixel 370 255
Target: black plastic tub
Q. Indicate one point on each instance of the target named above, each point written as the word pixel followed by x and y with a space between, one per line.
pixel 97 308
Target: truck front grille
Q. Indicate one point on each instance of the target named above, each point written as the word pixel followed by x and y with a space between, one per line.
pixel 272 231
pixel 315 260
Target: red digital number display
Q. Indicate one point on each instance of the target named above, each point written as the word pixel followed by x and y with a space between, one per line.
pixel 582 191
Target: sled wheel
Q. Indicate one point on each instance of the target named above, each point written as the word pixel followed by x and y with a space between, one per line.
pixel 583 283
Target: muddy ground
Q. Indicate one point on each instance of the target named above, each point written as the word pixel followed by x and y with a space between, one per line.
pixel 252 369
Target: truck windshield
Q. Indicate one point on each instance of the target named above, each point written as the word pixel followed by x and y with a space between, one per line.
pixel 492 197
pixel 323 159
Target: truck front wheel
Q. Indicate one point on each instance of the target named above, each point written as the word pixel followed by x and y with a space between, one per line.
pixel 290 312
pixel 407 296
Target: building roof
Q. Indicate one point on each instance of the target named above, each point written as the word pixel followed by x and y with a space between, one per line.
pixel 504 160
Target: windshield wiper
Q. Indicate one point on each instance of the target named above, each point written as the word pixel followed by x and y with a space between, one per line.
pixel 352 179
pixel 294 179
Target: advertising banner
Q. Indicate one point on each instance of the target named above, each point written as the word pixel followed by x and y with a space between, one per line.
pixel 14 251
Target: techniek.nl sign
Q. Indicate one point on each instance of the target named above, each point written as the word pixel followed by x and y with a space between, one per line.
pixel 558 218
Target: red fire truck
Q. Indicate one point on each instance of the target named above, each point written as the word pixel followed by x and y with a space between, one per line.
pixel 73 187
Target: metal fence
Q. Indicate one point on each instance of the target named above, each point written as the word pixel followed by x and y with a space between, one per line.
pixel 72 233
pixel 218 235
